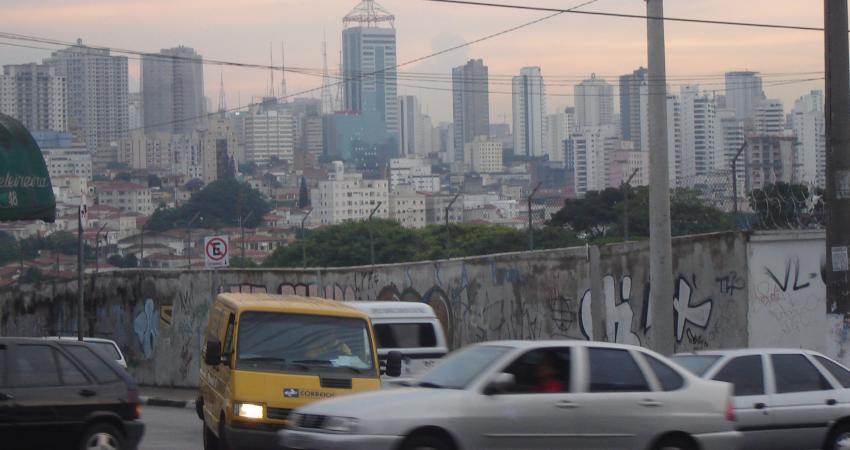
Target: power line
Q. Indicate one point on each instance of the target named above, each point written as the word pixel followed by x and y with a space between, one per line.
pixel 630 16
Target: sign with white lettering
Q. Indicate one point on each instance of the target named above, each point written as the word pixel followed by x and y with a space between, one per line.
pixel 216 252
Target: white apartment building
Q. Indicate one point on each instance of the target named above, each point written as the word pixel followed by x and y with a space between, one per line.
pixel 557 131
pixel 35 95
pixel 594 100
pixel 347 197
pixel 698 127
pixel 743 93
pixel 217 147
pixel 729 137
pixel 529 106
pixel 624 161
pixel 402 171
pixel 770 117
pixel 483 155
pixel 590 147
pixel 269 133
pixel 808 123
pixel 128 197
pixel 153 151
pixel 72 161
pixel 436 206
pixel 407 207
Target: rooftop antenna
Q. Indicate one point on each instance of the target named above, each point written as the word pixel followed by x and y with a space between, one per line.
pixel 327 100
pixel 283 94
pixel 340 83
pixel 222 99
pixel 368 14
pixel 271 72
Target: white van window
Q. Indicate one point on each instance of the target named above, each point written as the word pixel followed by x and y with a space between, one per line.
pixel 405 335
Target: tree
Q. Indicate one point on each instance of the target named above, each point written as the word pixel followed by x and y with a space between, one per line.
pixel 303 195
pixel 32 275
pixel 154 181
pixel 9 248
pixel 128 261
pixel 220 203
pixel 591 215
pixel 122 176
pixel 248 168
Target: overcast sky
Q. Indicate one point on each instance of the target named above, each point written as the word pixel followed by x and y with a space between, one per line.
pixel 567 47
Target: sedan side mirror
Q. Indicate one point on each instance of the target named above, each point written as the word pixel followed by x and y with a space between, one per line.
pixel 394 364
pixel 500 383
pixel 212 354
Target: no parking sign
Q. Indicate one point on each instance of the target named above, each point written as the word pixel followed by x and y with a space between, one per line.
pixel 216 252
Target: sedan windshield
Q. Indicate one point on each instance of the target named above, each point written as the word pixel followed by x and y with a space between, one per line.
pixel 300 343
pixel 460 368
pixel 696 364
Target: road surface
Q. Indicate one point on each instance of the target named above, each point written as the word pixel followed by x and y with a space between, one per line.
pixel 171 429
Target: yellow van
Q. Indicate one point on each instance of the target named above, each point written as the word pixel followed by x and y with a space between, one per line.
pixel 265 355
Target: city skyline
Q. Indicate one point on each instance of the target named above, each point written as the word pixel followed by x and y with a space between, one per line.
pixel 607 46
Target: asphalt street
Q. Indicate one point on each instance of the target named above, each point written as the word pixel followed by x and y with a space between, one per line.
pixel 171 429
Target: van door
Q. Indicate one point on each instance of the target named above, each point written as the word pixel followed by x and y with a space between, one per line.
pixel 213 378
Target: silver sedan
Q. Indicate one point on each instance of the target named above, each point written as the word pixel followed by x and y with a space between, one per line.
pixel 530 395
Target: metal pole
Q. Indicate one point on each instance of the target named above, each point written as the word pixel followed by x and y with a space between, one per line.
pixel 448 231
pixel 837 156
pixel 530 223
pixel 80 270
pixel 660 242
pixel 142 252
pixel 626 187
pixel 97 249
pixel 371 236
pixel 242 229
pixel 189 238
pixel 735 181
pixel 303 244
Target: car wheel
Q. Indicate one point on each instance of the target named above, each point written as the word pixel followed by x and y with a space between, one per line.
pixel 210 441
pixel 199 407
pixel 839 439
pixel 102 436
pixel 425 442
pixel 222 436
pixel 675 443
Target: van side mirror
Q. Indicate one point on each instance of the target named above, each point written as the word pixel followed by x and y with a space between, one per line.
pixel 394 364
pixel 500 383
pixel 212 354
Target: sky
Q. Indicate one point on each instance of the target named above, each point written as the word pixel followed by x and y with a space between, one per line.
pixel 568 47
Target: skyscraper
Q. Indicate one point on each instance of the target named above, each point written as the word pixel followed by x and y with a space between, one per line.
pixel 411 131
pixel 470 103
pixel 557 131
pixel 743 93
pixel 807 121
pixel 97 93
pixel 594 102
pixel 698 126
pixel 630 106
pixel 769 117
pixel 172 90
pixel 369 63
pixel 35 95
pixel 529 105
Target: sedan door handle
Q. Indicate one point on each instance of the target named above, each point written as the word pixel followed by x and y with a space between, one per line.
pixel 831 402
pixel 759 405
pixel 650 403
pixel 4 396
pixel 87 393
pixel 566 404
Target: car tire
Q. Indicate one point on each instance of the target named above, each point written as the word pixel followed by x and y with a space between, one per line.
pixel 839 439
pixel 102 436
pixel 425 442
pixel 199 407
pixel 222 436
pixel 675 443
pixel 210 441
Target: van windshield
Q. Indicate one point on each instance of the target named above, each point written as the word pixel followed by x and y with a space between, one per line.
pixel 301 343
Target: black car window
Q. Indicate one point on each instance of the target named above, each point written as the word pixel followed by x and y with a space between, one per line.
pixel 795 373
pixel 2 365
pixel 35 366
pixel 98 367
pixel 405 335
pixel 541 371
pixel 837 370
pixel 614 370
pixel 668 377
pixel 71 375
pixel 746 373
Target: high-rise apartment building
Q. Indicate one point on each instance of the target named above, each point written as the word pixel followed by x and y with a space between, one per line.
pixel 630 117
pixel 97 93
pixel 134 110
pixel 769 117
pixel 590 148
pixel 483 155
pixel 347 196
pixel 269 133
pixel 729 137
pixel 698 127
pixel 217 147
pixel 172 90
pixel 412 132
pixel 594 102
pixel 808 123
pixel 770 160
pixel 35 95
pixel 529 106
pixel 743 93
pixel 470 103
pixel 557 131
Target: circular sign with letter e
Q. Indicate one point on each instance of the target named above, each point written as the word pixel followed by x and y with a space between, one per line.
pixel 215 251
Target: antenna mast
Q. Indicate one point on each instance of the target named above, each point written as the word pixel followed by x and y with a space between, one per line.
pixel 283 94
pixel 271 72
pixel 327 100
pixel 222 98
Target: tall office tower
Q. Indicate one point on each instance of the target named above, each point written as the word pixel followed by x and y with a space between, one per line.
pixel 698 146
pixel 172 90
pixel 96 91
pixel 369 63
pixel 529 105
pixel 630 127
pixel 808 123
pixel 35 95
pixel 470 103
pixel 743 93
pixel 594 102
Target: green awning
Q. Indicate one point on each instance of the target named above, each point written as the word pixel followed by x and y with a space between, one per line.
pixel 25 189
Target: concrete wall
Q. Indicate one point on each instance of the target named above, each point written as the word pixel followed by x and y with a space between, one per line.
pixel 158 316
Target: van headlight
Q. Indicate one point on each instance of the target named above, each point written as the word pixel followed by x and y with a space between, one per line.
pixel 340 424
pixel 248 410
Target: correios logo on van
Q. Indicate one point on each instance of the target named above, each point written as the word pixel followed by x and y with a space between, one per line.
pixel 297 393
pixel 290 393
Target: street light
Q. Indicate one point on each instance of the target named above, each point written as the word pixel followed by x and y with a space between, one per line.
pixel 303 244
pixel 626 187
pixel 97 248
pixel 530 224
pixel 735 181
pixel 242 221
pixel 189 238
pixel 142 253
pixel 448 231
pixel 371 235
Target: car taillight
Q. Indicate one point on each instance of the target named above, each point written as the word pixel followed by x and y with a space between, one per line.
pixel 133 399
pixel 730 411
pixel 137 412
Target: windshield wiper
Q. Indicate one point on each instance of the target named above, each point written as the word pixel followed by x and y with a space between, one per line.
pixel 428 384
pixel 315 362
pixel 274 359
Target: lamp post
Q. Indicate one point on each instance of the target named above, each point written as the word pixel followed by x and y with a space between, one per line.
pixel 372 236
pixel 735 181
pixel 189 238
pixel 626 187
pixel 242 221
pixel 303 243
pixel 530 224
pixel 448 231
pixel 97 248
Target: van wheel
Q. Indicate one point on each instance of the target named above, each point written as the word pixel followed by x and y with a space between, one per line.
pixel 222 436
pixel 210 441
pixel 839 439
pixel 102 436
pixel 425 442
pixel 199 407
pixel 675 443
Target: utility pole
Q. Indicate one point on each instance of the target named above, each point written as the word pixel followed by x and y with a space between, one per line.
pixel 837 156
pixel 371 236
pixel 242 231
pixel 189 238
pixel 626 189
pixel 660 241
pixel 530 223
pixel 80 270
pixel 448 231
pixel 303 242
pixel 97 249
pixel 142 252
pixel 735 182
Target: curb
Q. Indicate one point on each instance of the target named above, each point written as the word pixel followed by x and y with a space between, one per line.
pixel 155 401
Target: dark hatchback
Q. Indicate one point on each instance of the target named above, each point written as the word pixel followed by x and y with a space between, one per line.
pixel 65 395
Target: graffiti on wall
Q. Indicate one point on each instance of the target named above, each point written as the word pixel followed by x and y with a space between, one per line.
pixel 333 292
pixel 145 326
pixel 787 295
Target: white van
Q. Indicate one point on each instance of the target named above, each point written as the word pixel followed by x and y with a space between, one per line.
pixel 409 328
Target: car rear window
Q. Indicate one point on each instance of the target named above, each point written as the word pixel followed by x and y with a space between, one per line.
pixel 36 366
pixel 108 349
pixel 696 364
pixel 746 373
pixel 670 379
pixel 405 335
pixel 795 373
pixel 71 375
pixel 613 370
pixel 99 368
pixel 837 370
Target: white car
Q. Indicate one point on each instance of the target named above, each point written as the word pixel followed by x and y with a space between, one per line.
pixel 785 399
pixel 530 395
pixel 107 346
